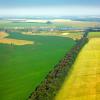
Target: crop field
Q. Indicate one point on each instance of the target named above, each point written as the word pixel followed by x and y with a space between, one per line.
pixel 83 82
pixel 74 35
pixel 3 35
pixel 23 67
pixel 28 55
pixel 54 24
pixel 94 34
pixel 5 40
pixel 15 41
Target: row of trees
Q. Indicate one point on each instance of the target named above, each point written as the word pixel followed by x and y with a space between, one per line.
pixel 52 83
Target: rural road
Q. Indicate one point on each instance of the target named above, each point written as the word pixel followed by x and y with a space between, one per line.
pixel 83 83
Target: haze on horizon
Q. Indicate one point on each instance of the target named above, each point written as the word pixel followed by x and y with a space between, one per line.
pixel 49 7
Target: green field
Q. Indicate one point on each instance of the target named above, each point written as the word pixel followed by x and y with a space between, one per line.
pixel 10 25
pixel 94 34
pixel 22 68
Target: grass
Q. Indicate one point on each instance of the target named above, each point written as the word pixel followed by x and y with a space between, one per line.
pixel 83 83
pixel 22 68
pixel 94 34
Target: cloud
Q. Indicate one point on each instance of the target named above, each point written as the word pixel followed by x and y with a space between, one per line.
pixel 54 10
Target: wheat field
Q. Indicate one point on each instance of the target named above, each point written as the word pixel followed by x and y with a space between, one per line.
pixel 83 82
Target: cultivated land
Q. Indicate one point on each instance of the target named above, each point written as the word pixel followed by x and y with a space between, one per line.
pixel 15 41
pixel 94 34
pixel 75 35
pixel 57 23
pixel 22 68
pixel 83 82
pixel 3 35
pixel 5 40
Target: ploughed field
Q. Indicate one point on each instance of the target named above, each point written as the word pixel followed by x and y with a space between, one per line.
pixel 23 67
pixel 83 82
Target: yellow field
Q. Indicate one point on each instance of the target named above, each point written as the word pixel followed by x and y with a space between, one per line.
pixel 15 41
pixel 5 40
pixel 83 82
pixel 82 24
pixel 27 33
pixel 3 34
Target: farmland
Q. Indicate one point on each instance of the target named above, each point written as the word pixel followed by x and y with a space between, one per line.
pixel 30 50
pixel 83 80
pixel 23 67
pixel 56 23
pixel 94 34
pixel 5 40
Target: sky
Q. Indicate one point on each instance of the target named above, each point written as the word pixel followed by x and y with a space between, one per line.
pixel 49 7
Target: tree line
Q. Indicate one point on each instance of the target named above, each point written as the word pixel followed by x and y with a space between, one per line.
pixel 49 87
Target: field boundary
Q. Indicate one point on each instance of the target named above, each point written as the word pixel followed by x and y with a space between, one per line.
pixel 53 81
